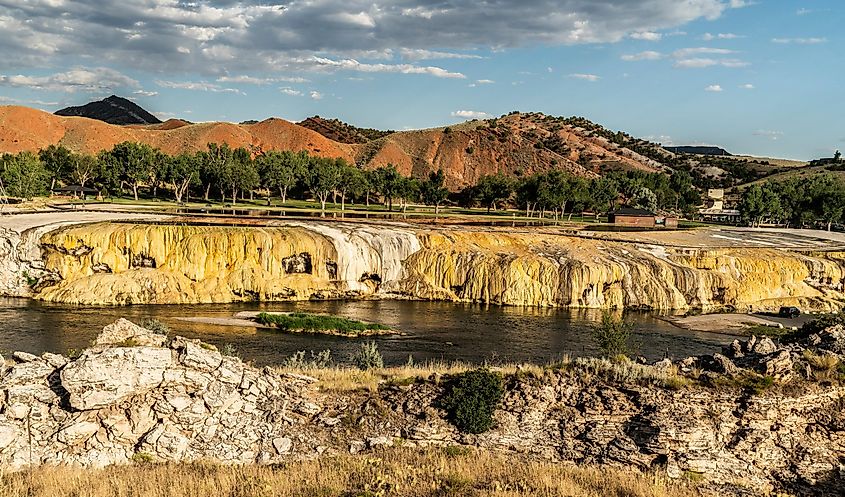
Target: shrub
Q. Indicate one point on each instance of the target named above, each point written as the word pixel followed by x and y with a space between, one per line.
pixel 320 360
pixel 612 335
pixel 368 357
pixel 470 399
pixel 155 326
pixel 229 350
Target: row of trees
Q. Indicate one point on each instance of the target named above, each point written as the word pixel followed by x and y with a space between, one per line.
pixel 560 193
pixel 230 173
pixel 799 202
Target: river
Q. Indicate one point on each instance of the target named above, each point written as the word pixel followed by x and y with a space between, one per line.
pixel 430 330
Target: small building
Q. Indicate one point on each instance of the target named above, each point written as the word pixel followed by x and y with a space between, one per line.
pixel 630 216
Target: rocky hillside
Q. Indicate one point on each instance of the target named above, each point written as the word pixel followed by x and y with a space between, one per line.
pixel 339 131
pixel 771 419
pixel 112 110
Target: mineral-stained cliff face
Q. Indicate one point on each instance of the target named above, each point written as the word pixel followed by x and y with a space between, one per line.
pixel 135 392
pixel 114 263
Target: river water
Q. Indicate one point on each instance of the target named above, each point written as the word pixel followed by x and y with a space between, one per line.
pixel 430 330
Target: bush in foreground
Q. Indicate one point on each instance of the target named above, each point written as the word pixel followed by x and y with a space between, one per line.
pixel 612 336
pixel 471 398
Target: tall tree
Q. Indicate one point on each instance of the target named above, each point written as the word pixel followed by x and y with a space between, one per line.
pixel 493 188
pixel 24 175
pixel 183 172
pixel 133 161
pixel 388 182
pixel 282 170
pixel 56 160
pixel 433 190
pixel 351 182
pixel 323 178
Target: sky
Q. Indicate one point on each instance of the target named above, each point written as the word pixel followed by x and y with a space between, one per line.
pixel 761 77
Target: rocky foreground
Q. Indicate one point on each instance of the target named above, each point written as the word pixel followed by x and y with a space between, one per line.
pixel 759 417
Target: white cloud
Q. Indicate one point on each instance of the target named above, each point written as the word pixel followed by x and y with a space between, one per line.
pixel 646 35
pixel 799 41
pixel 291 92
pixel 720 36
pixel 586 77
pixel 481 82
pixel 79 79
pixel 197 86
pixel 687 52
pixel 252 80
pixel 771 135
pixel 143 93
pixel 354 65
pixel 714 88
pixel 315 95
pixel 747 86
pixel 259 37
pixel 470 114
pixel 646 55
pixel 423 54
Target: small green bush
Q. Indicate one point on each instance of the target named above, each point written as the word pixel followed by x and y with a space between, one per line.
pixel 368 357
pixel 612 335
pixel 470 399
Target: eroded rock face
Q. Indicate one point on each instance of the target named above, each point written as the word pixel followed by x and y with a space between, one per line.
pixel 116 264
pixel 184 401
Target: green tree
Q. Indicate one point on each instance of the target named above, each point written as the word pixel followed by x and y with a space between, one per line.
pixel 408 190
pixel 352 182
pixel 603 195
pixel 133 161
pixel 24 175
pixel 183 171
pixel 432 190
pixel 493 188
pixel 56 160
pixel 644 198
pixel 242 175
pixel 282 170
pixel 323 178
pixel 216 169
pixel 527 193
pixel 752 205
pixel 388 182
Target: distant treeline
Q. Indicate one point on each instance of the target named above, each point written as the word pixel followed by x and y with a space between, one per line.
pixel 799 202
pixel 229 174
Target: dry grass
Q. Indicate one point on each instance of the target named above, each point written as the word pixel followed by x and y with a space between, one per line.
pixel 404 472
pixel 345 379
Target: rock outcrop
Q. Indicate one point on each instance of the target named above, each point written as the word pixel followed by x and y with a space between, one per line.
pixel 114 263
pixel 183 401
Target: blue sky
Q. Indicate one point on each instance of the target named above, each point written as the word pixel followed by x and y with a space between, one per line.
pixel 758 77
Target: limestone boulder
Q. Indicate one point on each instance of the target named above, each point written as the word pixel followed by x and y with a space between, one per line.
pixel 105 378
pixel 125 332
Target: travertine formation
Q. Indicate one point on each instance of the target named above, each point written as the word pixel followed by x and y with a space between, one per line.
pixel 115 263
pixel 136 395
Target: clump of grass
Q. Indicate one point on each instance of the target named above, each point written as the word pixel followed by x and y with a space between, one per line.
pixel 368 357
pixel 319 360
pixel 229 350
pixel 315 323
pixel 155 326
pixel 621 369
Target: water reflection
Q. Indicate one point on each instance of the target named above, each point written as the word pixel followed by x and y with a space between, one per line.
pixel 432 330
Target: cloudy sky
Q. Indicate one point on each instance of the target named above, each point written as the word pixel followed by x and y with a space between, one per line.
pixel 755 76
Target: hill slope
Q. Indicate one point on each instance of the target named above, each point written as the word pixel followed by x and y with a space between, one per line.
pixel 515 145
pixel 112 110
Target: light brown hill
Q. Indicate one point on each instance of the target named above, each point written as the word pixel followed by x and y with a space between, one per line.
pixel 515 145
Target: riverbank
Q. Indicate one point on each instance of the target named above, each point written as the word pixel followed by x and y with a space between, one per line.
pixel 761 417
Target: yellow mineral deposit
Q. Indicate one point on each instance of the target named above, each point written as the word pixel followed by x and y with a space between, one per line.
pixel 117 263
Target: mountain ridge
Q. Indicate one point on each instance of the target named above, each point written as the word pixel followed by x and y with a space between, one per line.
pixel 112 110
